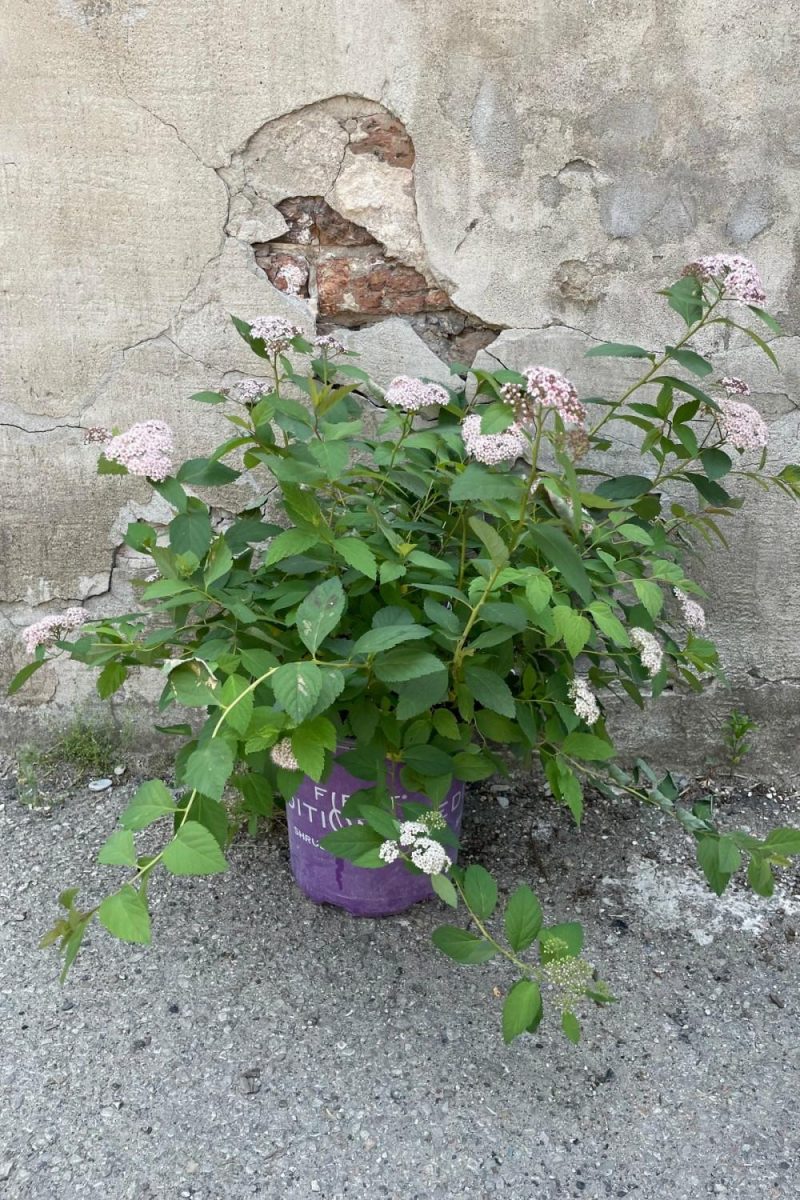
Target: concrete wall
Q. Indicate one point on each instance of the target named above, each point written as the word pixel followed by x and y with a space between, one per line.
pixel 440 177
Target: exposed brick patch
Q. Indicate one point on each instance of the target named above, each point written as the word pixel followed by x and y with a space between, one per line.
pixel 312 222
pixel 355 287
pixel 384 136
pixel 287 272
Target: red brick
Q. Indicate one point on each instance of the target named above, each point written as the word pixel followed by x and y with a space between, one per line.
pixel 385 137
pixel 374 286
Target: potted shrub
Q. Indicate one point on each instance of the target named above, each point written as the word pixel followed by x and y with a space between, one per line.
pixel 454 580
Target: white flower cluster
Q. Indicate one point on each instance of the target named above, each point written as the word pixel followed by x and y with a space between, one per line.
pixel 427 854
pixel 146 449
pixel 283 755
pixel 51 629
pixel 328 344
pixel 694 617
pixel 250 391
pixel 584 701
pixel 550 389
pixel 738 277
pixel 569 979
pixel 411 395
pixel 650 651
pixel 491 448
pixel 741 426
pixel 275 332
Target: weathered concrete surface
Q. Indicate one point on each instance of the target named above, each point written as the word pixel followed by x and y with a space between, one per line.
pixel 564 161
pixel 266 1047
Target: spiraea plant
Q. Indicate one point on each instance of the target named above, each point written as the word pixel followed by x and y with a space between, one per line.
pixel 455 580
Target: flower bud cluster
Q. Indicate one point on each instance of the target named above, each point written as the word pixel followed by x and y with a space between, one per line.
pixel 283 755
pixel 275 332
pixel 51 629
pixel 737 276
pixel 146 449
pixel 693 614
pixel 491 448
pixel 411 395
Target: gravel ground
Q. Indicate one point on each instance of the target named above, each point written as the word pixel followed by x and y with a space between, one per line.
pixel 266 1047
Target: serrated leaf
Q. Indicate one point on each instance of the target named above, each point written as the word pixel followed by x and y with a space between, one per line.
pixel 150 801
pixel 480 891
pixel 119 850
pixel 588 747
pixel 522 1007
pixel 111 679
pixel 405 664
pixel 235 697
pixel 488 535
pixel 288 543
pixel 206 472
pixel 490 690
pixel 23 675
pixel 558 550
pixel 357 844
pixel 297 688
pixel 309 743
pixel 691 361
pixel 538 591
pixel 489 485
pixel 573 629
pixel 617 350
pixel 194 851
pixel 220 561
pixel 561 941
pixel 650 595
pixel 380 820
pixel 190 533
pixel 320 613
pixel 208 768
pixel 571 1027
pixel 357 555
pixel 784 841
pixel 125 915
pixel 523 918
pixel 374 641
pixel 462 946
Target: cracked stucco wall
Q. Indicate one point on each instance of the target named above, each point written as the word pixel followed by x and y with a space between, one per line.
pixel 561 162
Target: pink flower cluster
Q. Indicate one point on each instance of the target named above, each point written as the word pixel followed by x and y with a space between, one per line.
pixel 275 332
pixel 548 389
pixel 741 426
pixel 146 449
pixel 737 276
pixel 491 448
pixel 50 629
pixel 694 617
pixel 250 391
pixel 735 386
pixel 412 394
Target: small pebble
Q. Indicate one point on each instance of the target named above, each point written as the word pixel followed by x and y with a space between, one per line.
pixel 99 785
pixel 777 1000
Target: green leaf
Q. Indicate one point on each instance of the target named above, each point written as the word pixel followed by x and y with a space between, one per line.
pixel 587 747
pixel 194 851
pixel 476 481
pixel 399 666
pixel 150 801
pixel 125 915
pixel 320 613
pixel 220 561
pixel 522 1009
pixel 538 591
pixel 480 891
pixel 387 636
pixel 573 629
pixel 23 675
pixel 624 487
pixel 209 767
pixel 445 724
pixel 650 595
pixel 119 850
pixel 309 743
pixel 471 768
pixel 523 918
pixel 444 890
pixel 608 623
pixel 462 946
pixel 428 760
pixel 571 1027
pixel 209 398
pixel 357 555
pixel 496 547
pixel 716 463
pixel 559 551
pixel 760 877
pixel 490 690
pixel 190 533
pixel 206 472
pixel 380 820
pixel 106 466
pixel 561 941
pixel 784 841
pixel 297 687
pixel 289 543
pixel 709 857
pixel 617 350
pixel 111 679
pixel 686 299
pixel 357 844
pixel 213 815
pixel 691 361
pixel 235 696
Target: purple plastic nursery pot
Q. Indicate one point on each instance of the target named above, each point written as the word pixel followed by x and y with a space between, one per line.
pixel 325 879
